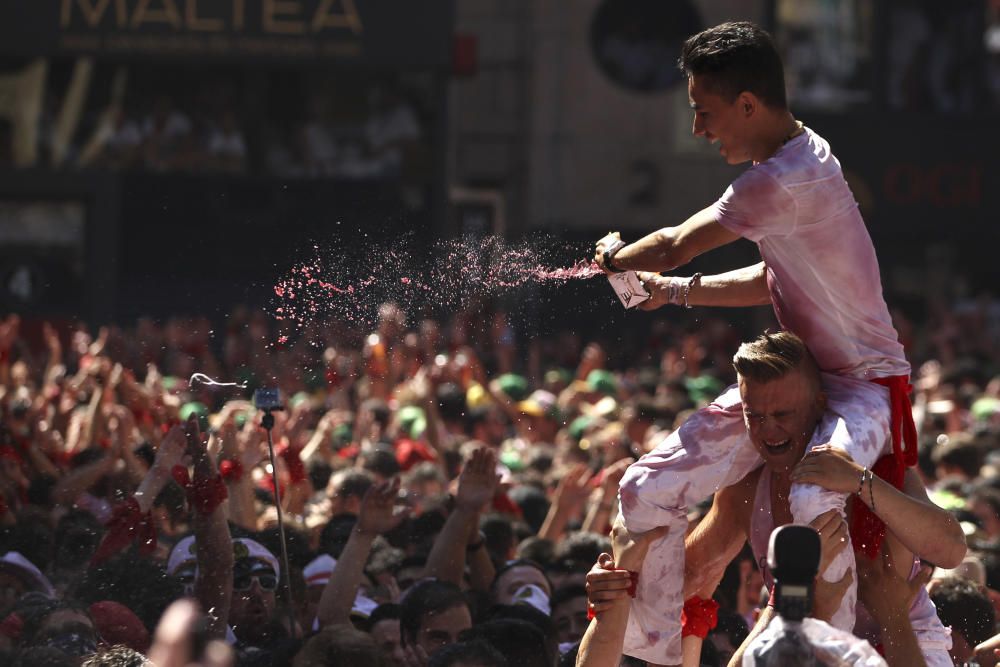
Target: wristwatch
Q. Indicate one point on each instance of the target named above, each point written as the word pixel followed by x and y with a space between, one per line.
pixel 477 545
pixel 609 255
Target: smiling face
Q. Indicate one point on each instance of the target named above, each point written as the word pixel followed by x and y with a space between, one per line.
pixel 781 415
pixel 722 122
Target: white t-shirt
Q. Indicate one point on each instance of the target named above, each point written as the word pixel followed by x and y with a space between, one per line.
pixel 822 271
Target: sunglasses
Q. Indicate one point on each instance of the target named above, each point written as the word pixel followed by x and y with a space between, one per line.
pixel 266 579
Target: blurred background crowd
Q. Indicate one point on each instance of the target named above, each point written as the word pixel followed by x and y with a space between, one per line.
pixel 560 417
pixel 163 165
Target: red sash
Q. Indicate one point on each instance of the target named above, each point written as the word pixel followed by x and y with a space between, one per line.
pixel 867 530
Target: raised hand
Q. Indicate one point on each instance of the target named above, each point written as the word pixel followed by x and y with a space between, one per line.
pixel 478 480
pixel 172 450
pixel 378 512
pixel 574 488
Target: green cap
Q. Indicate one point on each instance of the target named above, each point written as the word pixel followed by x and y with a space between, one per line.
pixel 515 386
pixel 578 426
pixel 200 410
pixel 703 389
pixel 985 407
pixel 412 420
pixel 603 381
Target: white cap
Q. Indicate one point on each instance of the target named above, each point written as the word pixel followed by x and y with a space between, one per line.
pixel 531 594
pixel 243 547
pixel 319 569
pixel 182 554
pixel 25 570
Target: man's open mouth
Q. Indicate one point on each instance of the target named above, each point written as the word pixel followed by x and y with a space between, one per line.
pixel 778 447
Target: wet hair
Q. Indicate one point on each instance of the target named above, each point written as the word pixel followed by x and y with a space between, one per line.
pixel 474 652
pixel 423 599
pixel 965 608
pixel 773 356
pixel 117 656
pixel 736 57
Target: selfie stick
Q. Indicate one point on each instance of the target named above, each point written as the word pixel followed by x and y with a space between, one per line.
pixel 267 421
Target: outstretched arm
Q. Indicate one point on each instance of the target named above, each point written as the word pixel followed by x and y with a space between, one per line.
pixel 670 247
pixel 927 530
pixel 735 289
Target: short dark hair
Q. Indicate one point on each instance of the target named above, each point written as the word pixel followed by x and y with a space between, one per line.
pixel 520 642
pixel 476 652
pixel 965 608
pixel 426 598
pixel 736 57
pixel 352 482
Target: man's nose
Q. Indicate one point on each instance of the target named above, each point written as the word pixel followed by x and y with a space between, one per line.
pixel 697 127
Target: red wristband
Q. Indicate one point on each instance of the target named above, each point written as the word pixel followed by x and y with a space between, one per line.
pixel 231 470
pixel 205 495
pixel 698 617
pixel 633 580
pixel 127 522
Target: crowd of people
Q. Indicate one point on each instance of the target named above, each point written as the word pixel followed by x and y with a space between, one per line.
pixel 443 499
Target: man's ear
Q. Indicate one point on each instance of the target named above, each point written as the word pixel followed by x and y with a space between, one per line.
pixel 748 104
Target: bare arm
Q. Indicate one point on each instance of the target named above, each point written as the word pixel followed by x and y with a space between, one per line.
pixel 377 516
pixel 476 485
pixel 927 530
pixel 607 595
pixel 670 247
pixel 213 543
pixel 735 289
pixel 718 538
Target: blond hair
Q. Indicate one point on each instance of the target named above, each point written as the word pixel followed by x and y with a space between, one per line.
pixel 772 356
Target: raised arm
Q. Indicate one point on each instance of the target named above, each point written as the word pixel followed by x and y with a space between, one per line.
pixel 476 485
pixel 668 248
pixel 213 542
pixel 927 530
pixel 377 516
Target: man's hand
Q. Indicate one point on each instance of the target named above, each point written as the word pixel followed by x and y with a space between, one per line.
pixel 378 513
pixel 658 288
pixel 832 531
pixel 171 451
pixel 828 467
pixel 606 586
pixel 573 489
pixel 608 241
pixel 478 481
pixel 630 548
pixel 613 476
